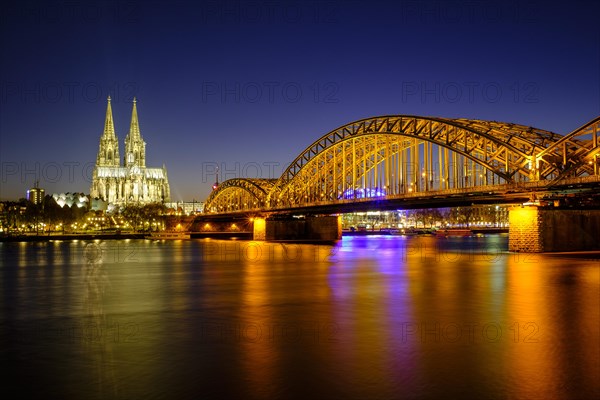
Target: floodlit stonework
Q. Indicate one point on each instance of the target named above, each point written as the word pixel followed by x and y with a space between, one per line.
pixel 131 181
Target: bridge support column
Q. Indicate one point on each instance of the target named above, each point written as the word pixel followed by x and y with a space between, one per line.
pixel 259 229
pixel 524 229
pixel 534 229
pixel 326 228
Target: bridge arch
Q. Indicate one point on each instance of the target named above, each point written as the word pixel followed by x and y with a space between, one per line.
pixel 392 155
pixel 239 194
pixel 574 155
pixel 396 155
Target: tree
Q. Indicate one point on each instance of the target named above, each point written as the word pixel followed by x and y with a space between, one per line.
pixel 433 215
pixel 33 214
pixel 461 215
pixel 133 214
pixel 51 211
pixel 14 219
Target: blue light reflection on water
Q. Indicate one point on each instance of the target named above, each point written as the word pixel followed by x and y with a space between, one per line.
pixel 372 317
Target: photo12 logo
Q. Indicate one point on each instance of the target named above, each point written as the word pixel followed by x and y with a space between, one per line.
pixel 469 92
pixel 40 92
pixel 448 12
pixel 71 12
pixel 266 12
pixel 270 92
pixel 470 333
pixel 48 172
pixel 212 171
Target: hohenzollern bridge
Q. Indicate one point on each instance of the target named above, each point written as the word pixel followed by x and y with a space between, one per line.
pixel 404 161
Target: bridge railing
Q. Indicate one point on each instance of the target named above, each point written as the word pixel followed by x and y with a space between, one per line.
pixel 502 189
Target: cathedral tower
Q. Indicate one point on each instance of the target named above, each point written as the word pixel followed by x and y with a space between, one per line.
pixel 135 147
pixel 108 151
pixel 131 182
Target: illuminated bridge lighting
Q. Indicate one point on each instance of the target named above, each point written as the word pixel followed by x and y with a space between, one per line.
pixel 397 157
pixel 363 193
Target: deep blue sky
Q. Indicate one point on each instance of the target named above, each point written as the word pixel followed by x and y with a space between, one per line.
pixel 249 85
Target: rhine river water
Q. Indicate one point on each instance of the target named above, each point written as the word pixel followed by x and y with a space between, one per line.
pixel 373 317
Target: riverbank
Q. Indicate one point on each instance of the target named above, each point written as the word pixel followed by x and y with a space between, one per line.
pixel 222 235
pixel 117 236
pixel 213 235
pixel 72 236
pixel 413 232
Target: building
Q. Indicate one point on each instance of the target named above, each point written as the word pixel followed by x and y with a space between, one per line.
pixel 186 207
pixel 131 181
pixel 71 199
pixel 36 194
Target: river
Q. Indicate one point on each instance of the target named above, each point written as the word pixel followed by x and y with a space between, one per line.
pixel 373 317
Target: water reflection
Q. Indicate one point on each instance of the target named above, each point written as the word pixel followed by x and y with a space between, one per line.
pixel 96 343
pixel 372 317
pixel 257 330
pixel 554 309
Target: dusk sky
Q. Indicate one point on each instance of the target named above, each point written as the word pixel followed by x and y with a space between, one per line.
pixel 249 85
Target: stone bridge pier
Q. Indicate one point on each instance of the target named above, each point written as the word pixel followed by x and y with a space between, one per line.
pixel 535 229
pixel 314 228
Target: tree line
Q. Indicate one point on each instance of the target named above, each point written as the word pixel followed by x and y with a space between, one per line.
pixel 24 215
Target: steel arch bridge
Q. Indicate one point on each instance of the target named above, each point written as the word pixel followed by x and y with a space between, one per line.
pixel 400 156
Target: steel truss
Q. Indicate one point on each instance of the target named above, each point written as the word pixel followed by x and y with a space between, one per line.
pixel 390 156
pixel 239 194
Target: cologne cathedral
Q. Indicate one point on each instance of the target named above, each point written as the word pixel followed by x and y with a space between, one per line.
pixel 131 181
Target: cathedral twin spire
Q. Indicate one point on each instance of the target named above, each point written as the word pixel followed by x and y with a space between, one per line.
pixel 135 147
pixel 134 126
pixel 109 127
pixel 126 180
pixel 108 153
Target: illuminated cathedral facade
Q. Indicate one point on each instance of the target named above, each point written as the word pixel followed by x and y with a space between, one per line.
pixel 131 181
